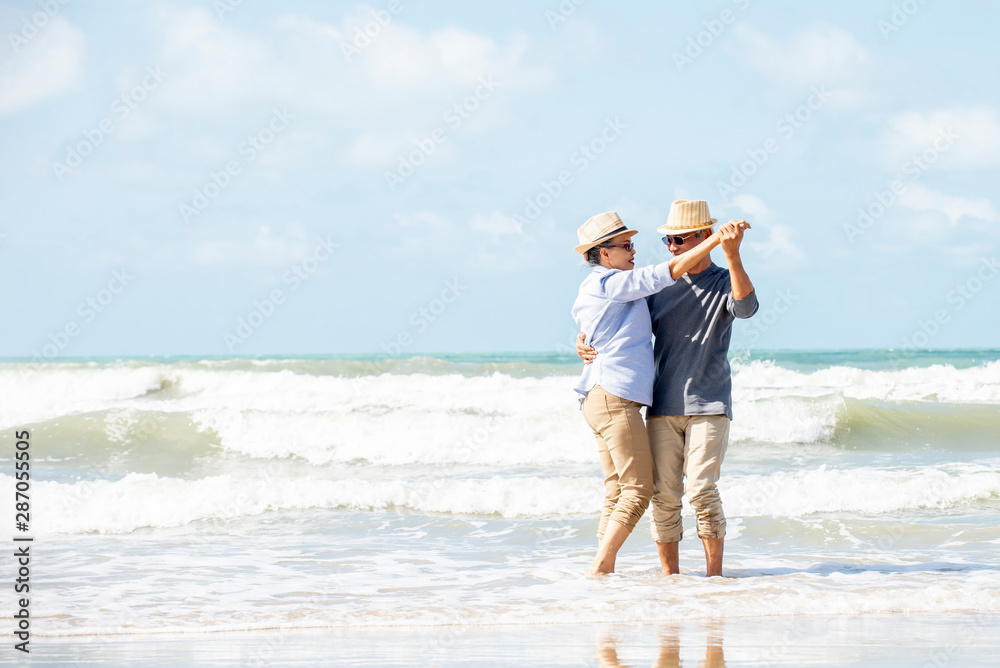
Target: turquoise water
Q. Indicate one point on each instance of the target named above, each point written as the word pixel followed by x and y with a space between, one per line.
pixel 542 363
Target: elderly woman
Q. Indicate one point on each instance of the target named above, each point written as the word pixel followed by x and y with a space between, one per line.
pixel 611 310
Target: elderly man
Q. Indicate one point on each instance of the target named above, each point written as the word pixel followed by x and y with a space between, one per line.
pixel 688 423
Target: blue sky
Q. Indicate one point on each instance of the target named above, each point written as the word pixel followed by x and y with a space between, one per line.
pixel 213 178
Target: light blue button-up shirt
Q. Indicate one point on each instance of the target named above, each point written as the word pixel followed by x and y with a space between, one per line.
pixel 611 310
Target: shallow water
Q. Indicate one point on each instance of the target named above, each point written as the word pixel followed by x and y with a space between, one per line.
pixel 179 496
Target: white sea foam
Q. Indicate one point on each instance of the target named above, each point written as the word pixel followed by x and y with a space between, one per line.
pixel 281 582
pixel 418 418
pixel 939 382
pixel 864 490
pixel 37 392
pixel 147 500
pixel 548 597
pixel 785 419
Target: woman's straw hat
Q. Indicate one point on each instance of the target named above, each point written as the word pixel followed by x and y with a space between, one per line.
pixel 687 215
pixel 600 228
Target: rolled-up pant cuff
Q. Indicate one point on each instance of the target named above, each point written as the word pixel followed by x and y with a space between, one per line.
pixel 716 531
pixel 669 531
pixel 687 457
pixel 667 537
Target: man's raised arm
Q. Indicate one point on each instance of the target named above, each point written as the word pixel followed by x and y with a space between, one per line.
pixel 732 236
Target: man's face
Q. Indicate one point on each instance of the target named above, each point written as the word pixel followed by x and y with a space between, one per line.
pixel 687 241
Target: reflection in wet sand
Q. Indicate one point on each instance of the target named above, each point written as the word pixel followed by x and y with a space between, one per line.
pixel 670 650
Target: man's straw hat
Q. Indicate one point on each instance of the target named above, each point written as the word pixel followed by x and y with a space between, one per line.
pixel 600 228
pixel 687 215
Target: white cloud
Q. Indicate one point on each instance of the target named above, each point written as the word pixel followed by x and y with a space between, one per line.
pixel 777 252
pixel 139 126
pixel 48 66
pixel 823 54
pixel 213 69
pixel 495 224
pixel 402 73
pixel 818 54
pixel 752 206
pixel 264 249
pixel 971 256
pixel 921 198
pixel 396 149
pixel 974 142
pixel 374 148
pixel 375 101
pixel 425 220
pixel 406 60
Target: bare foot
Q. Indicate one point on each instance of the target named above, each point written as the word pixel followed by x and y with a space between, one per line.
pixel 598 568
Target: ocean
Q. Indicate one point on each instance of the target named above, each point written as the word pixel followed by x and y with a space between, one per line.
pixel 453 500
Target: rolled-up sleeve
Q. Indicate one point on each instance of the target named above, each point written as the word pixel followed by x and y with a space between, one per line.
pixel 743 308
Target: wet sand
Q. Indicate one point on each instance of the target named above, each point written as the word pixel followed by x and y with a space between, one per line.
pixel 874 640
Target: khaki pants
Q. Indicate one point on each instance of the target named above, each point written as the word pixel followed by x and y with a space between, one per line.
pixel 623 445
pixel 687 457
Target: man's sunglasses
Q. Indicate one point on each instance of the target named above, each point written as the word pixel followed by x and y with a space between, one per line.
pixel 678 240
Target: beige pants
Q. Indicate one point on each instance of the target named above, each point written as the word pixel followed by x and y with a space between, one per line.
pixel 687 457
pixel 623 445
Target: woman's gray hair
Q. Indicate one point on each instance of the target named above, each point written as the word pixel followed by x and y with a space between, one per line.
pixel 594 254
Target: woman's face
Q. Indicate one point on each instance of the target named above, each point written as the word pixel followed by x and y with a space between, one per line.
pixel 619 256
